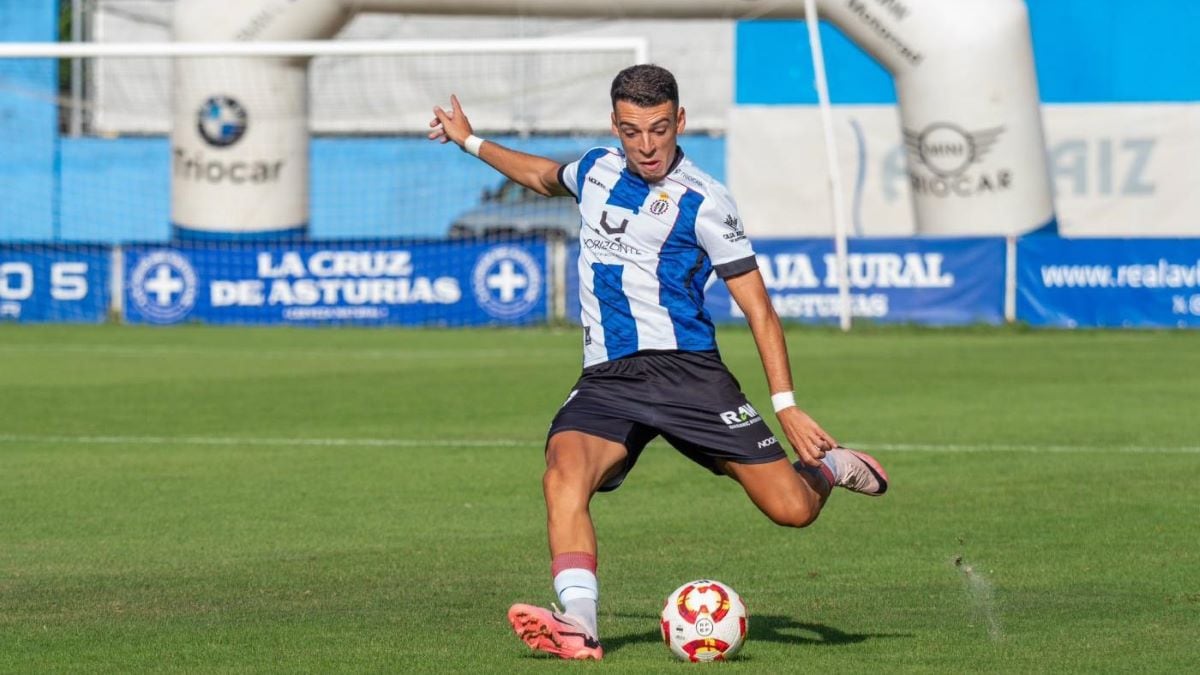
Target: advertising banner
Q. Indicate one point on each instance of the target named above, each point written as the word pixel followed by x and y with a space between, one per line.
pixel 370 283
pixel 1143 283
pixel 1117 170
pixel 54 283
pixel 928 281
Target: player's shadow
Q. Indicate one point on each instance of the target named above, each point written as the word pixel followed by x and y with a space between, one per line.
pixel 763 628
pixel 772 628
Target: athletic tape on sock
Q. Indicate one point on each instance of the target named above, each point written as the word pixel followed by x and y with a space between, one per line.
pixel 573 559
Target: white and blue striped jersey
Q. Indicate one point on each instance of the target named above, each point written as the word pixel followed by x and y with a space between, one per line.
pixel 646 254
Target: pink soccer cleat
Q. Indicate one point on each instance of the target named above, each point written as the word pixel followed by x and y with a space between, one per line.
pixel 553 633
pixel 858 472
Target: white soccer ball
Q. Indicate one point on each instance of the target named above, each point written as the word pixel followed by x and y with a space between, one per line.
pixel 704 620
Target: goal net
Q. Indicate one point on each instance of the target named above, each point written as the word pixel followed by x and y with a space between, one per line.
pixel 396 229
pixel 109 215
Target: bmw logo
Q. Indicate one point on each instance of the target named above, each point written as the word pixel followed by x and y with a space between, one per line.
pixel 221 121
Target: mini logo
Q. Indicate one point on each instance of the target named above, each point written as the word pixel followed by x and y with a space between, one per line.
pixel 948 150
pixel 744 416
pixel 704 626
pixel 163 286
pixel 507 282
pixel 221 121
pixel 767 442
pixel 949 153
pixel 617 229
pixel 587 335
pixel 593 181
pixel 661 204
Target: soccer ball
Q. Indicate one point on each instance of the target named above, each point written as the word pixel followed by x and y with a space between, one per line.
pixel 704 620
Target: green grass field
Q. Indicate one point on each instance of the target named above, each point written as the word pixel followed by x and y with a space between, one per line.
pixel 206 499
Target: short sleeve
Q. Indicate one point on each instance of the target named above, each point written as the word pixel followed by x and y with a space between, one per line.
pixel 720 232
pixel 567 175
pixel 571 175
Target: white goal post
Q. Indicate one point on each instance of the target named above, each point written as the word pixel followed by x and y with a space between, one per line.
pixel 837 194
pixel 310 48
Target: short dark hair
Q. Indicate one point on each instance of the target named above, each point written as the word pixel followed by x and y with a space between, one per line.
pixel 645 86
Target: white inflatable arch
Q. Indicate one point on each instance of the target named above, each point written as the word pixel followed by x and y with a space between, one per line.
pixel 963 70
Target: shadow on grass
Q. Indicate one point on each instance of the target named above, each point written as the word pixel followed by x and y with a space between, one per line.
pixel 763 628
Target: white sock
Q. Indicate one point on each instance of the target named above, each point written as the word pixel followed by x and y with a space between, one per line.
pixel 583 609
pixel 579 592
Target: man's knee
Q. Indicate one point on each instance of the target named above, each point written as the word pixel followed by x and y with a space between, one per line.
pixel 565 463
pixel 560 478
pixel 576 464
pixel 793 513
pixel 778 491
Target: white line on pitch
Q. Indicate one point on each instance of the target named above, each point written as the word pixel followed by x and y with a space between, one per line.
pixel 235 441
pixel 512 442
pixel 1007 447
pixel 146 351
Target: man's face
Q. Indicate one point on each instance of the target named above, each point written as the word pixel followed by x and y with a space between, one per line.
pixel 648 137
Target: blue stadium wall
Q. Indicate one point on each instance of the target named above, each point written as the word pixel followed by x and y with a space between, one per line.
pixel 28 140
pixel 1088 51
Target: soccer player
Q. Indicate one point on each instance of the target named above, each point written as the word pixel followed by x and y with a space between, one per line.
pixel 654 228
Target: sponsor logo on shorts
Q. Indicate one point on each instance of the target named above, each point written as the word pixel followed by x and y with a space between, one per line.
pixel 744 416
pixel 768 442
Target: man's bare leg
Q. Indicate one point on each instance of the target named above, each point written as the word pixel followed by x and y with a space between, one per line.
pixel 786 496
pixel 577 464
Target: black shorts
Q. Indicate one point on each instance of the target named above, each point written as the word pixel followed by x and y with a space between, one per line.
pixel 689 398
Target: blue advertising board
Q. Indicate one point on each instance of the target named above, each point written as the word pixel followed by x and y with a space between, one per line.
pixel 315 283
pixel 41 283
pixel 1143 283
pixel 902 280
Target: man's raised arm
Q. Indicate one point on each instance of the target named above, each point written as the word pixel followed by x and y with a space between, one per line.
pixel 536 173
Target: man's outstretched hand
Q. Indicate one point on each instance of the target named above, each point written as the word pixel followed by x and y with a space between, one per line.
pixel 450 126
